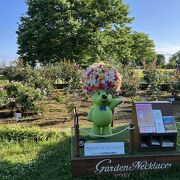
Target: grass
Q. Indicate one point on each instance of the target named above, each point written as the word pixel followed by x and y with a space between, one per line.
pixel 48 157
pixel 34 158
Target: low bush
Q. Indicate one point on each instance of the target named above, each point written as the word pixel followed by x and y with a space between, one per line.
pixel 137 98
pixel 152 76
pixel 58 96
pixel 28 76
pixel 3 96
pixel 130 81
pixel 70 73
pixel 175 85
pixel 23 98
pixel 166 75
pixel 21 133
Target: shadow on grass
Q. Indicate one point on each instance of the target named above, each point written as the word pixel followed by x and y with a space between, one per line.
pixel 53 163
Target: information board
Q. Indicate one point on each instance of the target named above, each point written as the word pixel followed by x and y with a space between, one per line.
pixel 155 126
pixel 152 121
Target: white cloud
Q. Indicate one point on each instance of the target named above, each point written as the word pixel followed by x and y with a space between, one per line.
pixel 167 49
pixel 7 59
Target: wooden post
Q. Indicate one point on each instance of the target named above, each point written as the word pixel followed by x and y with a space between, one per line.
pixel 75 117
pixel 131 138
pixel 112 123
pixel 77 150
pixel 76 127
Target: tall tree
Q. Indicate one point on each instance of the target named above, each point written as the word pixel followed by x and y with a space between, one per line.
pixel 80 30
pixel 175 57
pixel 174 60
pixel 160 61
pixel 118 45
pixel 142 48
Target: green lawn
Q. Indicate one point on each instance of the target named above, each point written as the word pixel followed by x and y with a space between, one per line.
pixel 39 156
pixel 31 153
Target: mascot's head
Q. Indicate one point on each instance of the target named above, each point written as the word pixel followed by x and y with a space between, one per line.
pixel 102 98
pixel 100 76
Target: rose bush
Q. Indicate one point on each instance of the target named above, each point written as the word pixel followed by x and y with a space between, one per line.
pixel 22 97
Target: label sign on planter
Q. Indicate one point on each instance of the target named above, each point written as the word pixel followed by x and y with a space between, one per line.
pixel 124 170
pixel 103 149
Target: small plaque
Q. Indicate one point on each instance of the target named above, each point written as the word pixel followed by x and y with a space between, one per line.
pixel 104 149
pixel 17 115
pixel 81 143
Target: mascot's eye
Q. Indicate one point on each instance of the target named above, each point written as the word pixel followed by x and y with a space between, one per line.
pixel 99 93
pixel 107 94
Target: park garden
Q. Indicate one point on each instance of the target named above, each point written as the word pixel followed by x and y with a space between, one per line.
pixel 39 92
pixel 37 144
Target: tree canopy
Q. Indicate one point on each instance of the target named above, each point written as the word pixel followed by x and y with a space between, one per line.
pixel 176 57
pixel 174 60
pixel 80 30
pixel 160 61
pixel 142 48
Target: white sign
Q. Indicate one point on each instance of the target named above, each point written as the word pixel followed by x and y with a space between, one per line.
pixel 171 100
pixel 104 149
pixel 17 116
pixel 108 166
pixel 158 121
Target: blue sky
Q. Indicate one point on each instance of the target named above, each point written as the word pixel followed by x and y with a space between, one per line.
pixel 10 12
pixel 158 18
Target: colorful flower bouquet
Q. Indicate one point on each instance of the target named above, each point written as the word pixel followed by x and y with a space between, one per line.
pixel 101 76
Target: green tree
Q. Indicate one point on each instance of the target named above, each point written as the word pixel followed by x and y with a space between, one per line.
pixel 160 61
pixel 142 49
pixel 174 60
pixel 152 75
pixel 171 64
pixel 81 30
pixel 118 46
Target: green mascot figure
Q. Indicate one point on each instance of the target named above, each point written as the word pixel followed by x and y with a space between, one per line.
pixel 101 81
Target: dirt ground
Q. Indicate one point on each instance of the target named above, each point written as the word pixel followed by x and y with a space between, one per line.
pixel 57 115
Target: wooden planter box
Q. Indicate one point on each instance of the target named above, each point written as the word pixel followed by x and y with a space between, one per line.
pixel 120 165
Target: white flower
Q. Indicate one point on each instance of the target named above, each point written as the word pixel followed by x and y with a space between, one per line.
pixel 92 82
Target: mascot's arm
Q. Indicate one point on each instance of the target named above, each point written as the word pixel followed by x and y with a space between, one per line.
pixel 89 117
pixel 115 102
